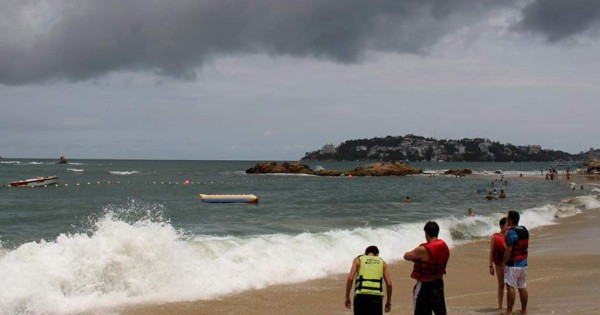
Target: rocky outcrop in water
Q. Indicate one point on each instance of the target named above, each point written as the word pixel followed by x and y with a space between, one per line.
pixel 462 172
pixel 272 167
pixel 377 169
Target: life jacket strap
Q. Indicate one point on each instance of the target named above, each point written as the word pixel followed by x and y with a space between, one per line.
pixel 359 284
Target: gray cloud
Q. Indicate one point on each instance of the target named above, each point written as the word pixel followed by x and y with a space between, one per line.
pixel 557 20
pixel 78 40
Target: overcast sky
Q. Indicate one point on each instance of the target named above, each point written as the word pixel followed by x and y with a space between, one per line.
pixel 273 79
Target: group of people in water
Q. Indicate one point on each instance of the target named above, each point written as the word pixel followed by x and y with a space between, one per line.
pixel 491 195
pixel 507 261
pixel 554 173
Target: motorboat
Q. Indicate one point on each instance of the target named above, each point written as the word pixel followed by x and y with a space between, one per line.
pixel 39 181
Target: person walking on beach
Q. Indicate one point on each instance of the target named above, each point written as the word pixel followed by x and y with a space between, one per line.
pixel 515 262
pixel 368 273
pixel 497 249
pixel 430 260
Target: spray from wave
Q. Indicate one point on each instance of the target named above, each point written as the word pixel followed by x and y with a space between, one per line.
pixel 131 254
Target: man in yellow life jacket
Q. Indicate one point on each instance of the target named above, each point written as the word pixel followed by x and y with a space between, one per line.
pixel 430 260
pixel 368 273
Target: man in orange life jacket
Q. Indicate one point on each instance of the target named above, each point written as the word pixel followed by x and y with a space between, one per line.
pixel 430 260
pixel 515 262
pixel 370 272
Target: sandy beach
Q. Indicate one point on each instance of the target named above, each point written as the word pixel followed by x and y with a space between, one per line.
pixel 563 278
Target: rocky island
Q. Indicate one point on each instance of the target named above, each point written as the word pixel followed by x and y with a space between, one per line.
pixel 377 169
pixel 417 148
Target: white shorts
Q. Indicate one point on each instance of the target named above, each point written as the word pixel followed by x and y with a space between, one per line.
pixel 515 277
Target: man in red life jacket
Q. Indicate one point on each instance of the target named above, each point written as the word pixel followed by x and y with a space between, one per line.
pixel 370 272
pixel 430 260
pixel 515 262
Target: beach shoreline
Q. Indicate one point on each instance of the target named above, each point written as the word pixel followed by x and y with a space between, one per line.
pixel 562 278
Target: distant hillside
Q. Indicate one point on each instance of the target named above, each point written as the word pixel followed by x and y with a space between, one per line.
pixel 417 148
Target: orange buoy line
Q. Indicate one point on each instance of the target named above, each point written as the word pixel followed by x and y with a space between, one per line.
pixel 185 182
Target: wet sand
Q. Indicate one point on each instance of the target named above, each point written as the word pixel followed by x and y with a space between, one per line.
pixel 563 278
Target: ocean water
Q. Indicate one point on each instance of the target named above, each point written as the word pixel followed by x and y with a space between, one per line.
pixel 113 232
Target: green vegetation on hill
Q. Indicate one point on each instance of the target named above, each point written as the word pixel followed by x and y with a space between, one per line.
pixel 417 148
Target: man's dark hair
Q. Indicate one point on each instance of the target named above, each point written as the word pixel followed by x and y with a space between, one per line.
pixel 503 222
pixel 432 229
pixel 372 250
pixel 514 217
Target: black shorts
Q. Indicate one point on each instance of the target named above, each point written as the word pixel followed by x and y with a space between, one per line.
pixel 430 298
pixel 368 304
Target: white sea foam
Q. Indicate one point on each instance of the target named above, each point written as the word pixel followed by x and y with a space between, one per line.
pixel 512 173
pixel 132 255
pixel 496 173
pixel 78 170
pixel 148 260
pixel 124 172
pixel 10 162
pixel 36 163
pixel 24 163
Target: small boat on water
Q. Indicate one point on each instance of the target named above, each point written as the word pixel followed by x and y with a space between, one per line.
pixel 62 160
pixel 228 198
pixel 39 181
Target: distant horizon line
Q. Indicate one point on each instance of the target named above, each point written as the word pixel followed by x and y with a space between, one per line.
pixel 130 159
pixel 243 160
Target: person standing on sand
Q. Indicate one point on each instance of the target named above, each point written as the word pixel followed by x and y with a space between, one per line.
pixel 430 260
pixel 497 249
pixel 370 271
pixel 515 262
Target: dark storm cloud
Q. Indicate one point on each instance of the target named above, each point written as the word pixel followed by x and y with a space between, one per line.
pixel 84 39
pixel 91 38
pixel 557 20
